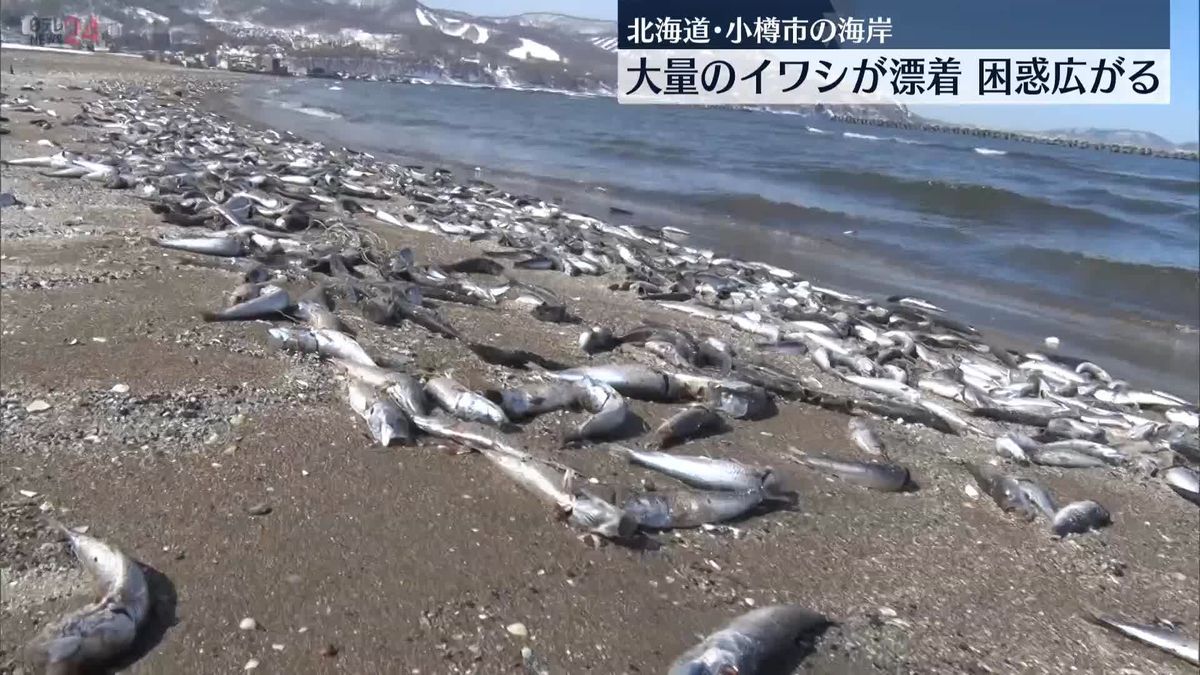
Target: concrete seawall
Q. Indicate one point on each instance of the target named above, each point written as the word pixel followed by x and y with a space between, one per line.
pixel 1020 137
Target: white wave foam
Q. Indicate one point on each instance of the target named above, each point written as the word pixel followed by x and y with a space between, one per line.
pixel 311 111
pixel 814 130
pixel 989 151
pixel 865 137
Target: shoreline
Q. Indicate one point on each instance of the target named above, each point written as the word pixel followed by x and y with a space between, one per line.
pixel 422 556
pixel 1148 352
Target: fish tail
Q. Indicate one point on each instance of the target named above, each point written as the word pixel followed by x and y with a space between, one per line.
pixel 211 316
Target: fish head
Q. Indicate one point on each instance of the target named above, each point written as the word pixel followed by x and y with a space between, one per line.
pixel 775 488
pixel 599 516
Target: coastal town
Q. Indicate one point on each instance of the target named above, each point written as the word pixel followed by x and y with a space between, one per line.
pixel 426 46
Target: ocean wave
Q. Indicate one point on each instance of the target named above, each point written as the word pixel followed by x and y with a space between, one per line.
pixel 631 148
pixel 756 208
pixel 982 204
pixel 1170 292
pixel 989 151
pixel 865 137
pixel 1149 207
pixel 814 130
pixel 1180 186
pixel 311 111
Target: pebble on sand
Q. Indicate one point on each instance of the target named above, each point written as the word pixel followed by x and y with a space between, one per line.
pixel 37 406
pixel 247 624
pixel 120 389
pixel 258 509
pixel 251 664
pixel 518 629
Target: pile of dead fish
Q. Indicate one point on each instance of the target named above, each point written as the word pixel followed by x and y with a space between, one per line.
pixel 290 211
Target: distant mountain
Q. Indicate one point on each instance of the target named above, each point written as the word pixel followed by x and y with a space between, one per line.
pixel 1129 137
pixel 387 38
pixel 560 22
pixel 408 38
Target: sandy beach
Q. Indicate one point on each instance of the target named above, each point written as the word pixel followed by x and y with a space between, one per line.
pixel 163 431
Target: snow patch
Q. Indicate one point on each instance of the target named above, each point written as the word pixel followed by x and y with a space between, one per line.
pixel 464 30
pixel 374 41
pixel 608 44
pixel 533 50
pixel 145 14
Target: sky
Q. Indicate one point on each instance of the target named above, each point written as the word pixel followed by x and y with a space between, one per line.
pixel 1177 122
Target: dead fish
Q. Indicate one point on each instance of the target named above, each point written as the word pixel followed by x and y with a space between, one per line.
pixel 609 411
pixel 768 641
pixel 96 633
pixel 384 418
pixel 1065 458
pixel 296 341
pixel 740 400
pixel 330 344
pixel 885 386
pixel 633 380
pixel 372 375
pixel 538 398
pixel 336 344
pixel 683 509
pixel 225 247
pixel 1065 427
pixel 705 473
pixel 1038 496
pixel 598 516
pixel 1004 490
pixel 688 423
pixel 908 412
pixel 1089 448
pixel 245 291
pixel 1079 517
pixel 408 393
pixel 865 438
pixel 388 423
pixel 271 303
pixel 1016 447
pixel 464 403
pixel 313 309
pixel 597 339
pixel 882 476
pixel 543 481
pixel 1173 642
pixel 1185 482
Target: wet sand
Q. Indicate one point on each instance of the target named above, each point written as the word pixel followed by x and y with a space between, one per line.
pixel 416 559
